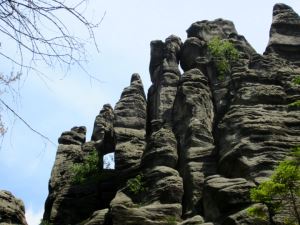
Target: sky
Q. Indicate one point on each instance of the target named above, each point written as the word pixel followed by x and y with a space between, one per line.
pixel 123 38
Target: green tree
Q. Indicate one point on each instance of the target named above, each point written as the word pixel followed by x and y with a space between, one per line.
pixel 223 54
pixel 296 80
pixel 86 170
pixel 136 184
pixel 283 187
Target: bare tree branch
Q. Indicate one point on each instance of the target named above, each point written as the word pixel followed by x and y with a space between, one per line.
pixel 26 123
pixel 37 28
pixel 41 31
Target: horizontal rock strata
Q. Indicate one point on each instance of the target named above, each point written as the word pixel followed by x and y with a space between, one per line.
pixel 12 210
pixel 191 152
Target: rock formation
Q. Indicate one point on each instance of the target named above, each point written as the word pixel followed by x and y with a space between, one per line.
pixel 189 153
pixel 130 125
pixel 12 210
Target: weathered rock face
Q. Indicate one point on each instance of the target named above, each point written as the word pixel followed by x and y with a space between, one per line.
pixel 161 191
pixel 12 210
pixel 285 34
pixel 130 125
pixel 193 123
pixel 70 203
pixel 65 202
pixel 192 151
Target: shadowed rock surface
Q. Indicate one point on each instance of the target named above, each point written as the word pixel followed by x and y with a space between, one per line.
pixel 190 153
pixel 12 210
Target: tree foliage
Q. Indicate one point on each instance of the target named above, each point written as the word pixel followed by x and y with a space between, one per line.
pixel 283 187
pixel 136 184
pixel 223 53
pixel 86 170
pixel 296 80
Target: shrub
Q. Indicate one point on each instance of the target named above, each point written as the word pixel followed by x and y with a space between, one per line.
pixel 294 105
pixel 296 80
pixel 87 169
pixel 282 187
pixel 171 220
pixel 136 184
pixel 223 53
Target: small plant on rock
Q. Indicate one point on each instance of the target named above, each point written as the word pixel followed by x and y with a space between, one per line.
pixel 87 169
pixel 295 104
pixel 136 184
pixel 223 54
pixel 296 80
pixel 283 187
pixel 171 220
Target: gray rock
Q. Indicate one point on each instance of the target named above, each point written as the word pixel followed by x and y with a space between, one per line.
pixel 285 34
pixel 67 202
pixel 193 114
pixel 12 210
pixel 198 144
pixel 164 74
pixel 103 133
pixel 193 53
pixel 103 137
pixel 206 30
pixel 196 220
pixel 161 149
pixel 99 217
pixel 163 190
pixel 164 57
pixel 242 217
pixel 223 195
pixel 124 212
pixel 130 125
pixel 75 136
pixel 258 129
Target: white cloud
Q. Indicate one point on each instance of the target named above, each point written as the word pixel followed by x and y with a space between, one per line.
pixel 32 217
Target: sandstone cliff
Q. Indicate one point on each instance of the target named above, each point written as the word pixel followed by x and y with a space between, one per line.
pixel 12 210
pixel 197 145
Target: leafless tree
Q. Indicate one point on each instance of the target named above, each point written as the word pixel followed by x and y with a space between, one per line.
pixel 38 33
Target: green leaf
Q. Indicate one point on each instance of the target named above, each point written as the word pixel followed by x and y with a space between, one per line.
pixel 258 212
pixel 136 184
pixel 223 53
pixel 87 169
pixel 295 104
pixel 296 80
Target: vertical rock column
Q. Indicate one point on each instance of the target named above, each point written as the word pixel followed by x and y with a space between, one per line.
pixel 160 158
pixel 160 195
pixel 193 118
pixel 162 145
pixel 130 125
pixel 202 100
pixel 285 34
pixel 103 132
pixel 70 203
pixel 61 206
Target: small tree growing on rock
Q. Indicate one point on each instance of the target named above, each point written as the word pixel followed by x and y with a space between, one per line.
pixel 223 53
pixel 283 187
pixel 86 170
